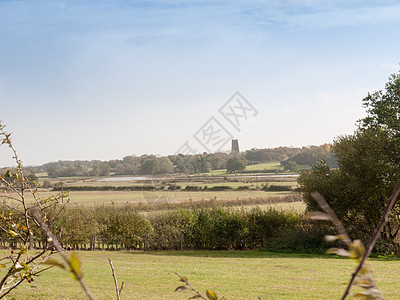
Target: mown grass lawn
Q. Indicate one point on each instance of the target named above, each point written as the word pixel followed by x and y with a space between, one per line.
pixel 236 275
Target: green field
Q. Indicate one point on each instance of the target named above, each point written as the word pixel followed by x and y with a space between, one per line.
pixel 276 165
pixel 235 275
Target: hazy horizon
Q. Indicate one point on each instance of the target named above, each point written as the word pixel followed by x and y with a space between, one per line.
pixel 83 80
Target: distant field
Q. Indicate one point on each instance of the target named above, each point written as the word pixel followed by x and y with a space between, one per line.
pixel 276 165
pixel 162 195
pixel 233 274
pixel 91 198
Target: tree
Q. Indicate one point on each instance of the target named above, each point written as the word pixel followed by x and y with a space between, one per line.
pixel 291 166
pixel 383 108
pixel 368 168
pixel 150 166
pixel 165 166
pixel 235 164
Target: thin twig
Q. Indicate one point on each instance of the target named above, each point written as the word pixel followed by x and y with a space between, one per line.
pixel 191 286
pixel 61 209
pixel 334 219
pixel 122 286
pixel 115 279
pixel 62 254
pixel 375 236
pixel 16 284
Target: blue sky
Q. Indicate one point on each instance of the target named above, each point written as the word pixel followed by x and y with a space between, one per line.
pixel 106 79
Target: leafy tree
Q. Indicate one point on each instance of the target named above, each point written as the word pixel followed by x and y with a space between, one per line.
pixel 46 184
pixel 165 166
pixel 235 164
pixel 383 108
pixel 368 168
pixel 291 166
pixel 150 166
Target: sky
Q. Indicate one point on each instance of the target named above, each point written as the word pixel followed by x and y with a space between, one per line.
pixel 100 80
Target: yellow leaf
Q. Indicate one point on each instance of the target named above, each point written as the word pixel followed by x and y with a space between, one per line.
pixel 54 262
pixel 357 249
pixel 211 295
pixel 364 270
pixel 184 279
pixel 75 266
pixel 23 251
pixel 13 233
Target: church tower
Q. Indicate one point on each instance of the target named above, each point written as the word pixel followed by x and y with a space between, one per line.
pixel 235 146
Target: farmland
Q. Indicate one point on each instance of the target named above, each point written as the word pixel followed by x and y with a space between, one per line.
pixel 150 274
pixel 246 189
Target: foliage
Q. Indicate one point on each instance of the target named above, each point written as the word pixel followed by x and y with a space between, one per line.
pixel 291 166
pixel 210 295
pixel 235 164
pixel 383 108
pixel 19 224
pixel 271 154
pixel 362 277
pixel 311 155
pixel 358 190
pixel 368 169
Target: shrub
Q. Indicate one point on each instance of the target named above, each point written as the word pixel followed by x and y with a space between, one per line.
pixel 172 230
pixel 307 236
pixel 219 188
pixel 264 225
pixel 192 188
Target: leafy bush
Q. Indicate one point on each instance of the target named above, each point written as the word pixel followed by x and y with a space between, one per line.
pixel 264 225
pixel 307 236
pixel 172 230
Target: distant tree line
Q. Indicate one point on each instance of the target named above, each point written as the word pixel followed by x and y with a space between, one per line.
pixel 189 164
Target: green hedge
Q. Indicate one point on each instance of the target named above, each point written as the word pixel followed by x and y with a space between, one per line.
pixel 217 228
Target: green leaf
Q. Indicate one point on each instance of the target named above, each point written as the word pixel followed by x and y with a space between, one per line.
pixel 75 266
pixel 181 288
pixel 54 262
pixel 211 295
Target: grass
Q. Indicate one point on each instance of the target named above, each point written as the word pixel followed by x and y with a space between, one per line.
pixel 276 165
pixel 236 275
pixel 90 198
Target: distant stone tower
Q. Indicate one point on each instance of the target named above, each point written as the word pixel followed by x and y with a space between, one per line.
pixel 235 146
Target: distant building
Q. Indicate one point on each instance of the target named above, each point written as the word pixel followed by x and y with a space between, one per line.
pixel 235 146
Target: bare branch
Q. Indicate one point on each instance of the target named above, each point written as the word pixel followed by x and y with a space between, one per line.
pixel 115 279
